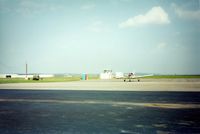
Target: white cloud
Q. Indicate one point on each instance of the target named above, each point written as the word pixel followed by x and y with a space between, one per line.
pixel 29 7
pixel 154 16
pixel 38 6
pixel 187 14
pixel 97 26
pixel 161 45
pixel 88 7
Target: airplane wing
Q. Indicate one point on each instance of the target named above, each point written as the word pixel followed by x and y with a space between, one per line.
pixel 129 78
pixel 141 76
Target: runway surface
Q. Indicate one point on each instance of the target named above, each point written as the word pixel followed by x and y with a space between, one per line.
pixel 113 85
pixel 98 112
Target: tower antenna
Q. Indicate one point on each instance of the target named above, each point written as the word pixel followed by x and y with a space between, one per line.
pixel 26 71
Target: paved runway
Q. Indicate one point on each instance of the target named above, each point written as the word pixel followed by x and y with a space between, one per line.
pixel 98 112
pixel 113 85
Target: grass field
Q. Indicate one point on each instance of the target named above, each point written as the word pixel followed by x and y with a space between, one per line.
pixel 52 79
pixel 77 78
pixel 172 76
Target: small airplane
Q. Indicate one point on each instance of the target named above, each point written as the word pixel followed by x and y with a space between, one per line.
pixel 132 76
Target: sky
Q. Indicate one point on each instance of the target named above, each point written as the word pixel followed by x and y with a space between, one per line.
pixel 88 36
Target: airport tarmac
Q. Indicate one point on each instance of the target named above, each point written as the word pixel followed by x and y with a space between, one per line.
pixel 113 85
pixel 98 112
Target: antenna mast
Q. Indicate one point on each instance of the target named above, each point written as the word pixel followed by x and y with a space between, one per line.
pixel 26 70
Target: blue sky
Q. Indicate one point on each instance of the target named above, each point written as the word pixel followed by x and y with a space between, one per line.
pixel 76 36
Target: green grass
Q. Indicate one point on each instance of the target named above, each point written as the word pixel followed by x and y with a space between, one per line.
pixel 93 77
pixel 67 79
pixel 172 76
pixel 52 79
